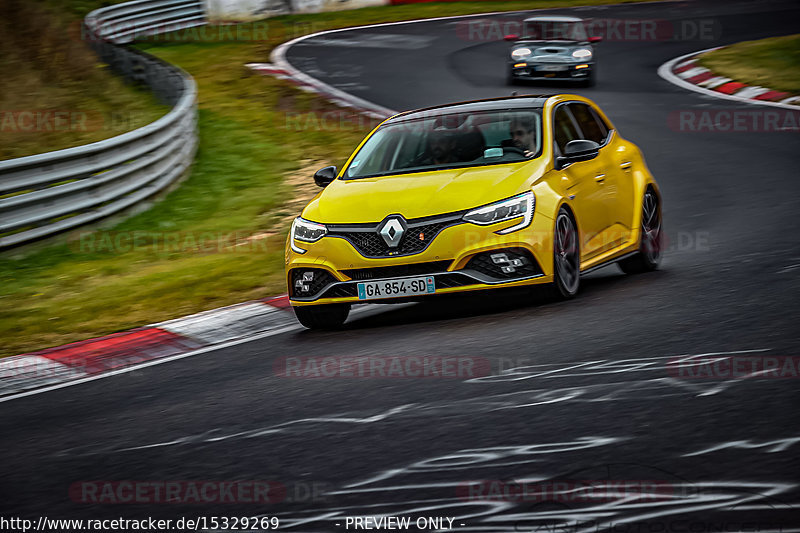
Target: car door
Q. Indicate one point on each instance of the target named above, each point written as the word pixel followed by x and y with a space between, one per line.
pixel 615 155
pixel 622 154
pixel 579 183
pixel 606 179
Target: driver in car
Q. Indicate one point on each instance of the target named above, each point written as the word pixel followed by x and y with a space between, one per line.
pixel 441 148
pixel 522 132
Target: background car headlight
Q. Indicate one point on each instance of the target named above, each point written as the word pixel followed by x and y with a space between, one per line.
pixel 521 53
pixel 582 53
pixel 306 231
pixel 515 207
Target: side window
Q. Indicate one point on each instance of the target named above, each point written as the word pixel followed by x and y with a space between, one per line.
pixel 564 128
pixel 602 123
pixel 589 125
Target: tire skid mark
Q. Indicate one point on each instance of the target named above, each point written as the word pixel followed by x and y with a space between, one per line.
pixel 628 390
pixel 774 446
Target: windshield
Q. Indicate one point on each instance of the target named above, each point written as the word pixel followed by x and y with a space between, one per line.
pixel 548 30
pixel 449 141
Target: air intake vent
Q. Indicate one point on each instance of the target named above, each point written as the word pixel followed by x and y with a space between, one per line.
pixel 397 271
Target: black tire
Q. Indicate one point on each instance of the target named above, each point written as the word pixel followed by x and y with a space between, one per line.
pixel 330 316
pixel 566 259
pixel 648 257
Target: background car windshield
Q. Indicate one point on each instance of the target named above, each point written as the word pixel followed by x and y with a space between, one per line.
pixel 548 30
pixel 448 141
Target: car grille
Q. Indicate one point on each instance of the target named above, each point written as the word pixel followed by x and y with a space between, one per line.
pixel 396 271
pixel 484 264
pixel 365 237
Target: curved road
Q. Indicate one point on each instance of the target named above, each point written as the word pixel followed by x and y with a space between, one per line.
pixel 586 391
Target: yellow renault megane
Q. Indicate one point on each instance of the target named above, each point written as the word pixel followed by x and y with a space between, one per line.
pixel 525 190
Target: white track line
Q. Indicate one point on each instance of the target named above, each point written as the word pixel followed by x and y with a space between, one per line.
pixel 665 71
pixel 361 311
pixel 151 363
pixel 228 323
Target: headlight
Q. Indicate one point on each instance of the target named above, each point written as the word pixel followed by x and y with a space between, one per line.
pixel 306 231
pixel 521 53
pixel 515 207
pixel 582 53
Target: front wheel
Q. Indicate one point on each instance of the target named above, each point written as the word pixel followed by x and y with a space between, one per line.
pixel 649 255
pixel 330 316
pixel 566 258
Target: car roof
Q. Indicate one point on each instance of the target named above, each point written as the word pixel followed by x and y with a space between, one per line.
pixel 545 18
pixel 526 101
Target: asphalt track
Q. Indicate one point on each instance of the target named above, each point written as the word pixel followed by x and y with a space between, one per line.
pixel 592 397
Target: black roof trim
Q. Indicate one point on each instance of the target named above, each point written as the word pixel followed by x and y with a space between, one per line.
pixel 504 102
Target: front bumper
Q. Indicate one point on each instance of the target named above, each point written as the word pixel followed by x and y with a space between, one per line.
pixel 534 71
pixel 456 259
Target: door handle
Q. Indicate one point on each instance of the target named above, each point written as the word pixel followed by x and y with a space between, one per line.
pixel 625 164
pixel 600 178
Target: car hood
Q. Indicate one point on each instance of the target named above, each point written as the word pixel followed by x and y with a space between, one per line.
pixel 421 194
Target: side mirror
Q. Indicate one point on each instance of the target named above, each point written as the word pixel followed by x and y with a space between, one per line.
pixel 324 176
pixel 596 39
pixel 511 37
pixel 578 150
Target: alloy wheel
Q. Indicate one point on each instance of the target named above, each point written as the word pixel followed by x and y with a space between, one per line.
pixel 651 228
pixel 567 260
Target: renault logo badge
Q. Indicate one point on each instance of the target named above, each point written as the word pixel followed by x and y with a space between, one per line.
pixel 392 230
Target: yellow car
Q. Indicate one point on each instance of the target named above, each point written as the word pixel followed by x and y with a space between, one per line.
pixel 506 192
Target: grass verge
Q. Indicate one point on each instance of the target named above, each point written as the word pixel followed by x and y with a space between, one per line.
pixel 54 93
pixel 773 63
pixel 217 239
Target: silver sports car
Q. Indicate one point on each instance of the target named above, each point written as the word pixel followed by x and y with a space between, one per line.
pixel 552 48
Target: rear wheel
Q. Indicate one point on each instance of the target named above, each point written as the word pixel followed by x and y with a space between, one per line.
pixel 649 254
pixel 566 258
pixel 330 316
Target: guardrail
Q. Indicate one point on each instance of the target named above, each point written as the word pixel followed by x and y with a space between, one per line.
pixel 44 194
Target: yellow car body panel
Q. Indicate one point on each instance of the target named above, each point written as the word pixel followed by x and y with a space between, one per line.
pixel 607 210
pixel 421 194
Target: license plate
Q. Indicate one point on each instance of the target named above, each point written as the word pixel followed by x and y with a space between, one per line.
pixel 394 288
pixel 551 68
